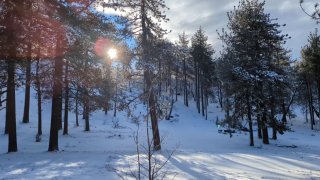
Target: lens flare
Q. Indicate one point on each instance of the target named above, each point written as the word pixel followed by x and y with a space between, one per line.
pixel 101 45
pixel 112 53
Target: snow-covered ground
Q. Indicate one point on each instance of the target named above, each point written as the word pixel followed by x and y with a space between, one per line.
pixel 200 151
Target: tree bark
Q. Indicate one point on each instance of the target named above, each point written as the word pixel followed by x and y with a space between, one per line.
pixel 25 118
pixel 273 119
pixel 177 83
pixel 87 111
pixel 185 83
pixel 310 102
pixel 11 108
pixel 250 120
pixel 66 100
pixel 77 106
pixel 148 80
pixel 202 95
pixel 39 97
pixel 56 101
pixel 60 106
pixel 265 135
pixel 259 126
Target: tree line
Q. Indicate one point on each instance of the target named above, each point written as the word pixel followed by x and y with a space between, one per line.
pixel 58 48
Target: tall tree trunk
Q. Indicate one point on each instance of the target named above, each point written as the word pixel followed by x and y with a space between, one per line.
pixel 77 106
pixel 39 96
pixel 250 120
pixel 273 119
pixel 60 108
pixel 202 95
pixel 310 101
pixel 6 127
pixel 154 120
pixel 148 79
pixel 177 85
pixel 196 82
pixel 284 112
pixel 318 88
pixel 198 87
pixel 220 95
pixel 66 99
pixel 160 81
pixel 84 109
pixel 206 103
pixel 87 111
pixel 11 107
pixel 259 126
pixel 115 101
pixel 185 83
pixel 0 97
pixel 265 135
pixel 28 83
pixel 306 113
pixel 56 100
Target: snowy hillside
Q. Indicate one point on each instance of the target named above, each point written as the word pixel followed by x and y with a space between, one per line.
pixel 200 151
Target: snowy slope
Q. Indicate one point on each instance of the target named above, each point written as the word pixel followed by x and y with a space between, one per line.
pixel 202 152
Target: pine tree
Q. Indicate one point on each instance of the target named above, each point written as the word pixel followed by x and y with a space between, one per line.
pixel 145 16
pixel 201 52
pixel 251 56
pixel 184 53
pixel 310 69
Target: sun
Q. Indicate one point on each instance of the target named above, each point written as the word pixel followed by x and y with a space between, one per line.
pixel 112 53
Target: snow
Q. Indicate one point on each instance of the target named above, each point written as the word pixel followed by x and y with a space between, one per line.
pixel 200 152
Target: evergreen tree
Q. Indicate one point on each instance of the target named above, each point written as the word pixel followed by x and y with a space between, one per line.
pixel 251 56
pixel 310 67
pixel 201 52
pixel 145 16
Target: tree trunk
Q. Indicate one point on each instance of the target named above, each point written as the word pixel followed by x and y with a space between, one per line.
pixel 306 113
pixel 87 111
pixel 284 112
pixel 27 92
pixel 56 101
pixel 177 83
pixel 153 112
pixel 77 105
pixel 11 108
pixel 115 101
pixel 6 124
pixel 318 88
pixel 198 90
pixel 265 128
pixel 196 82
pixel 220 94
pixel 310 101
pixel 160 81
pixel 0 97
pixel 148 80
pixel 259 126
pixel 39 97
pixel 60 108
pixel 273 119
pixel 84 110
pixel 206 103
pixel 66 100
pixel 185 83
pixel 250 120
pixel 202 96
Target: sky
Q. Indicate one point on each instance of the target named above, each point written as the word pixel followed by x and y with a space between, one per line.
pixel 211 15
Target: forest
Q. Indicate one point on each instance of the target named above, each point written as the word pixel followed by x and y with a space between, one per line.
pixel 99 89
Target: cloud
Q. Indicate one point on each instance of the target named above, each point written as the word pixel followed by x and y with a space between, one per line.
pixel 211 15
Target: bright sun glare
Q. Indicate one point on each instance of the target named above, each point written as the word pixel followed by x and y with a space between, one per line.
pixel 112 53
